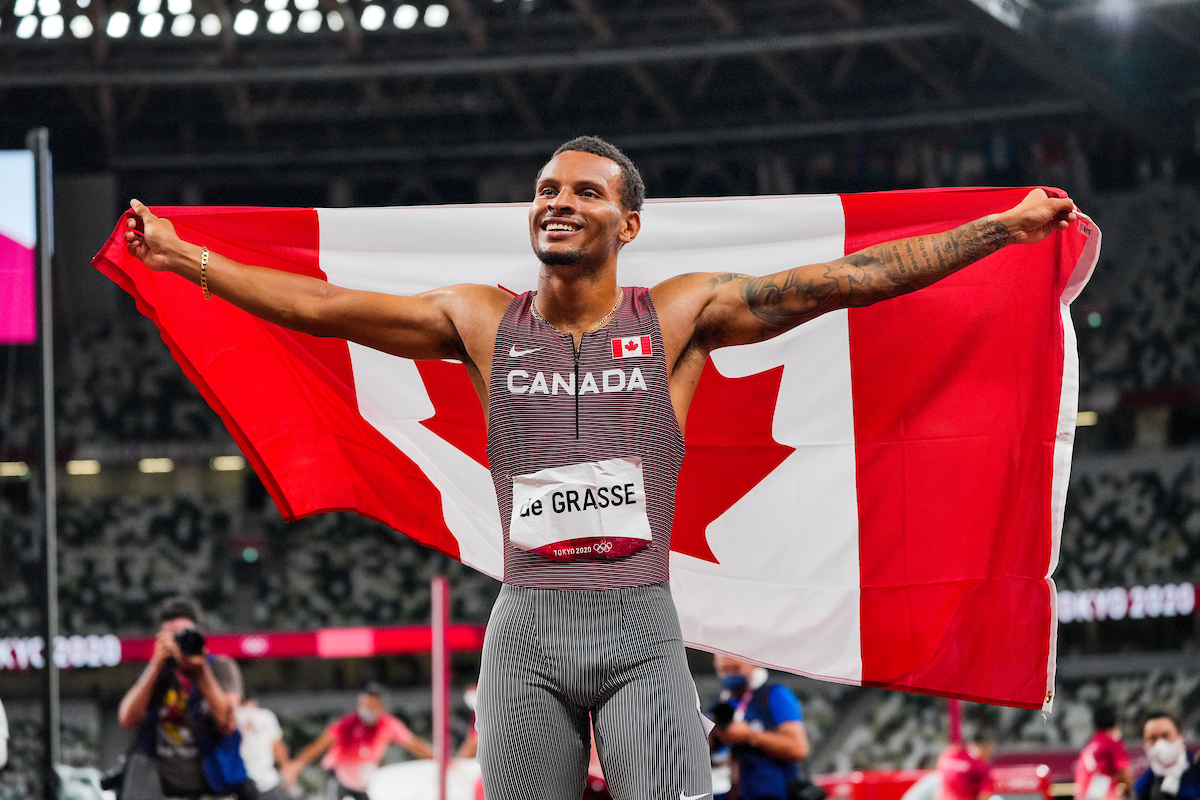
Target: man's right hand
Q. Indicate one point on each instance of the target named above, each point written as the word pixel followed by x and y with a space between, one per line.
pixel 150 239
pixel 165 647
pixel 289 772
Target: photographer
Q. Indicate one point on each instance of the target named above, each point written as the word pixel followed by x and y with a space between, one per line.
pixel 182 707
pixel 763 725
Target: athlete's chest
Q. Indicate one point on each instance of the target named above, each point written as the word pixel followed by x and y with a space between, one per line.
pixel 541 366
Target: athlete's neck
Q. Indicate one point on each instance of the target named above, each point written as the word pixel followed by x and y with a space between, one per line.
pixel 574 302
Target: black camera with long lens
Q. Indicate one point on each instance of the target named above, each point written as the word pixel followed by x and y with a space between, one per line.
pixel 190 642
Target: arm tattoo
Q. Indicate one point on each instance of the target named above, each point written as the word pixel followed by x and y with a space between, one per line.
pixel 876 273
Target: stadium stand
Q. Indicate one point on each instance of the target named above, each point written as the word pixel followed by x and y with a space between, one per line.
pixel 1147 332
pixel 1131 527
pixel 121 556
pixel 903 731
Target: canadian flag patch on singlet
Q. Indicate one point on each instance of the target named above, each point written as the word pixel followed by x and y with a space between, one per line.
pixel 581 511
pixel 631 346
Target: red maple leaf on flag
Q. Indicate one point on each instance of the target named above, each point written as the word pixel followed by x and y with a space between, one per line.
pixel 730 449
pixel 457 416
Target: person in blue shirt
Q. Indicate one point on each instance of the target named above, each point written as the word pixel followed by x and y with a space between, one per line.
pixel 763 725
pixel 1173 774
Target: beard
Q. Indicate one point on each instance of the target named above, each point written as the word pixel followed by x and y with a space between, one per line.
pixel 560 258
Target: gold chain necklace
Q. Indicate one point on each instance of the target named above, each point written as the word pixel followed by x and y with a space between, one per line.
pixel 603 321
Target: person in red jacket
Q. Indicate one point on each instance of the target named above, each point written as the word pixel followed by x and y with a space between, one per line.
pixel 1102 771
pixel 354 745
pixel 965 772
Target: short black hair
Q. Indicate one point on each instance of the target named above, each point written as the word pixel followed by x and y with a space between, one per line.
pixel 982 737
pixel 633 188
pixel 176 607
pixel 1159 714
pixel 1104 718
pixel 374 689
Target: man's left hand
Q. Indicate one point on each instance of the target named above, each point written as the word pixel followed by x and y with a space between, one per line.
pixel 735 733
pixel 1037 216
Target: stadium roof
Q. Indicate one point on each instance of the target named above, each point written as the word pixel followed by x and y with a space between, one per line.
pixel 178 85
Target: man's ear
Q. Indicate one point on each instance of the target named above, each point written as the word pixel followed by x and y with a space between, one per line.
pixel 631 224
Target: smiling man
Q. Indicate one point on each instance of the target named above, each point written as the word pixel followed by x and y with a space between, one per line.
pixel 585 386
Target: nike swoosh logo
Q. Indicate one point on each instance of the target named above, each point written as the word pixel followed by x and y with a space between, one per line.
pixel 683 796
pixel 513 352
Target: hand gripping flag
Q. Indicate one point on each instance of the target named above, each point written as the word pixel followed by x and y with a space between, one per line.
pixel 872 498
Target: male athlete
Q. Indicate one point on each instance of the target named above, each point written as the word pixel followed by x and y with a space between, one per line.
pixel 586 386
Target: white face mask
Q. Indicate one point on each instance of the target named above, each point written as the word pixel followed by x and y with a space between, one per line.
pixel 368 716
pixel 1165 754
pixel 469 698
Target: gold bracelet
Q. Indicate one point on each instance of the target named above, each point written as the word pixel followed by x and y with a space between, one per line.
pixel 204 273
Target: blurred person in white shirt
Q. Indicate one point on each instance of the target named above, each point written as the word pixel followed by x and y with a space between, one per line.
pixel 262 748
pixel 3 737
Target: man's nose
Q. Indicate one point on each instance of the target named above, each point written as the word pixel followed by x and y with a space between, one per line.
pixel 564 199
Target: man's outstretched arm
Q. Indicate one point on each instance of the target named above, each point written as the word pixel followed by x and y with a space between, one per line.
pixel 739 309
pixel 419 327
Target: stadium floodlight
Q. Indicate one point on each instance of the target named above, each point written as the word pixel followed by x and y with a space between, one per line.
pixel 14 469
pixel 83 3
pixel 152 25
pixel 81 26
pixel 53 26
pixel 85 466
pixel 279 20
pixel 275 5
pixel 406 16
pixel 210 24
pixel 307 5
pixel 152 466
pixel 245 22
pixel 436 15
pixel 48 8
pixel 27 28
pixel 227 464
pixel 373 17
pixel 146 7
pixel 1120 13
pixel 23 8
pixel 334 20
pixel 118 25
pixel 183 25
pixel 309 21
pixel 178 7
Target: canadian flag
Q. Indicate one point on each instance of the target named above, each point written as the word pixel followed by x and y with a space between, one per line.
pixel 872 498
pixel 631 346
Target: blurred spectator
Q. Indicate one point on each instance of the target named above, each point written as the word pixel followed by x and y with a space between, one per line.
pixel 470 744
pixel 354 746
pixel 965 771
pixel 1173 773
pixel 1102 771
pixel 182 707
pixel 763 725
pixel 3 737
pixel 262 747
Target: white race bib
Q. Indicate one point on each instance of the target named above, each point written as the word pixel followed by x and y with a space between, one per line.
pixel 581 511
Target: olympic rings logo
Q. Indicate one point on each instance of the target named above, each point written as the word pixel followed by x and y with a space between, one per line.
pixel 604 546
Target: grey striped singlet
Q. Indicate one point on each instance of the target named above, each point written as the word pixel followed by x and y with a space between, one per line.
pixel 550 408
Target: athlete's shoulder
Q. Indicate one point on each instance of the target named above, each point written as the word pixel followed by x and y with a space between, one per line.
pixel 698 286
pixel 476 293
